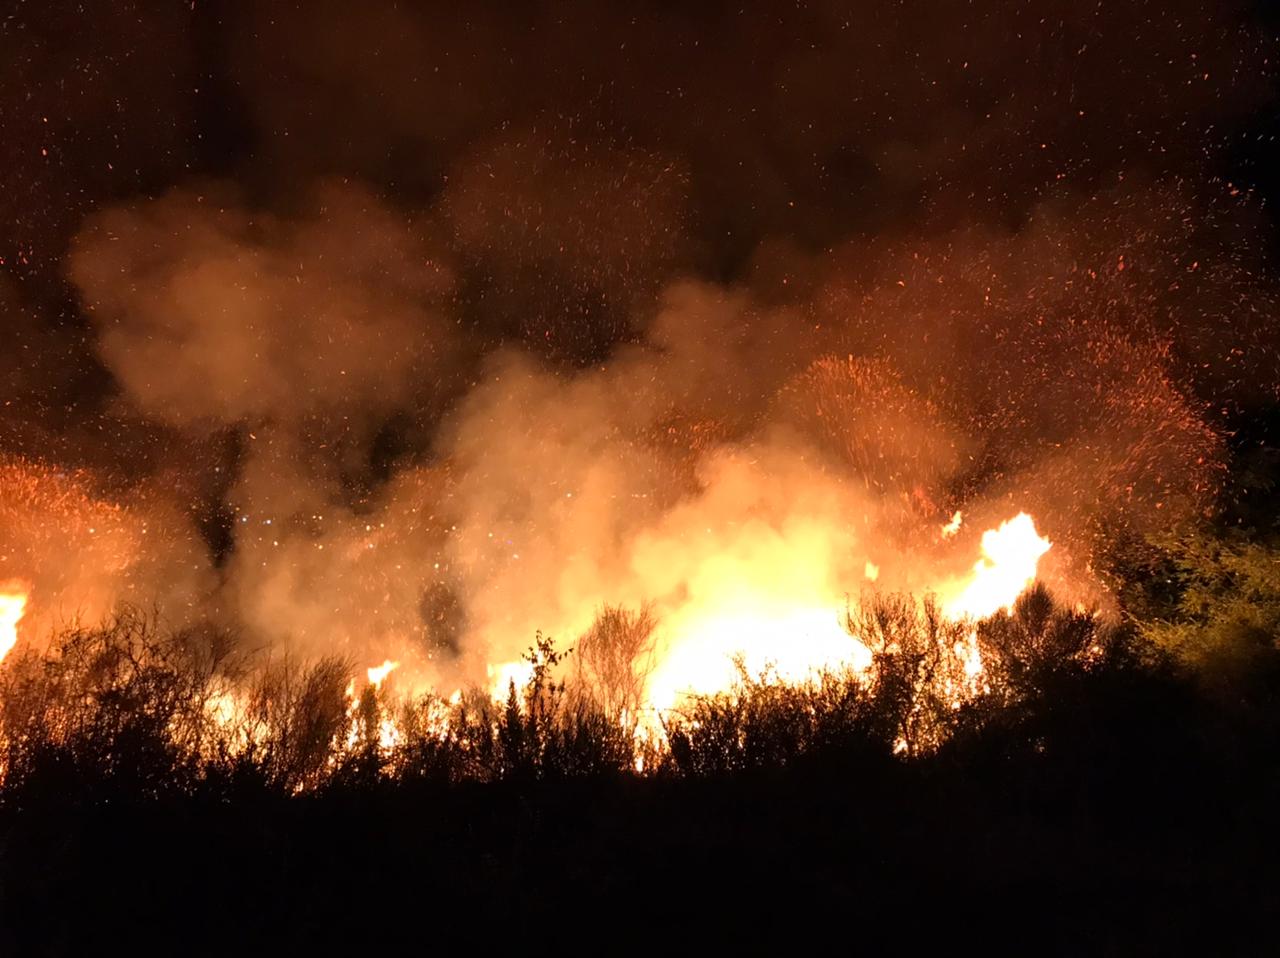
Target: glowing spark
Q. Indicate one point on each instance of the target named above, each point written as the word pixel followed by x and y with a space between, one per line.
pixel 952 527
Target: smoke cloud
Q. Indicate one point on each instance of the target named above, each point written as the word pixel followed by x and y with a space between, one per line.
pixel 462 326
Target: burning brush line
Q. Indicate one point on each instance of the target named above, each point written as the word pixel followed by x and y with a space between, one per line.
pixel 756 627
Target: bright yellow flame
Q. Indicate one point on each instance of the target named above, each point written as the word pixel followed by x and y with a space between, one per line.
pixel 776 611
pixel 952 527
pixel 388 733
pixel 788 643
pixel 503 675
pixel 224 707
pixel 768 597
pixel 1010 555
pixel 378 673
pixel 388 730
pixel 13 606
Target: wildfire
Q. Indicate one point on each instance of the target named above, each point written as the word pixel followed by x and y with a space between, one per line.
pixel 761 602
pixel 779 614
pixel 503 675
pixel 378 673
pixel 1010 555
pixel 13 606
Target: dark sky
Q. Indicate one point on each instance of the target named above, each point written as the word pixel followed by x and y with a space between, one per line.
pixel 807 121
pixel 581 154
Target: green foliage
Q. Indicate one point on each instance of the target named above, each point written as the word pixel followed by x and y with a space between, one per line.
pixel 1221 616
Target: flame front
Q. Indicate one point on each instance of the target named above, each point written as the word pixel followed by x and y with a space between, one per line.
pixel 780 612
pixel 761 605
pixel 1010 555
pixel 377 674
pixel 13 606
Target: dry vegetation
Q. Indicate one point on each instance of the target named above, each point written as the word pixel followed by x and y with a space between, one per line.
pixel 127 708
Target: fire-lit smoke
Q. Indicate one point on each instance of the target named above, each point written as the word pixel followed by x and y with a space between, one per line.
pixel 722 320
pixel 737 469
pixel 209 313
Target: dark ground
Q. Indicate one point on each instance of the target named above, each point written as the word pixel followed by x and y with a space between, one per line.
pixel 1133 824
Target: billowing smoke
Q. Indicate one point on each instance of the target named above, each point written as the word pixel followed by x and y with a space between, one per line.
pixel 207 312
pixel 479 323
pixel 745 447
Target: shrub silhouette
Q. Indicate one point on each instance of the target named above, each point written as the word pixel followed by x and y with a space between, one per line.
pixel 906 703
pixel 127 708
pixel 1023 650
pixel 122 707
pixel 142 765
pixel 539 731
pixel 918 668
pixel 764 723
pixel 613 658
pixel 293 723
